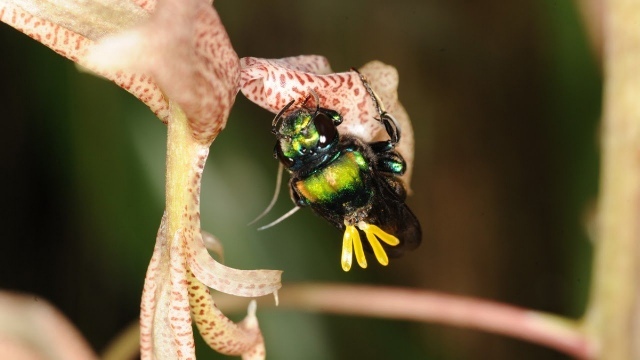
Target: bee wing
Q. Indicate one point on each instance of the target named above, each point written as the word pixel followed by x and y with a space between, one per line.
pixel 391 214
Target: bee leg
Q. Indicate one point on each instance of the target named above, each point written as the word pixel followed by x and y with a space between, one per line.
pixel 391 163
pixel 380 147
pixel 387 160
pixel 389 122
pixel 391 126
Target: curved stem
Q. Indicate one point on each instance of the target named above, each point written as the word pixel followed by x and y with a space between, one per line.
pixel 537 327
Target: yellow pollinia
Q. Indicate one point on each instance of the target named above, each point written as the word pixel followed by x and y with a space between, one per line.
pixel 351 243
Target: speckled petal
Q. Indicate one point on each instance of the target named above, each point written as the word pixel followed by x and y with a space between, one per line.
pixel 272 83
pixel 186 49
pixel 218 331
pixel 249 283
pixel 71 27
pixel 165 319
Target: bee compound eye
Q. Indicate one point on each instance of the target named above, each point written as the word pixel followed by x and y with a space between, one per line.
pixel 325 128
pixel 278 154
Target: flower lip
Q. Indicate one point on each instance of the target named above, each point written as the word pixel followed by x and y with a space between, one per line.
pixel 275 83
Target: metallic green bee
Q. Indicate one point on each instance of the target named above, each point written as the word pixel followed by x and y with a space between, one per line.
pixel 353 184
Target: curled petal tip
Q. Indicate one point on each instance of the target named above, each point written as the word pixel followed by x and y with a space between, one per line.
pixel 250 321
pixel 251 309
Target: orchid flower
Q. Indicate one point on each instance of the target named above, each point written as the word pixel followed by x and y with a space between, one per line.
pixel 177 58
pixel 274 83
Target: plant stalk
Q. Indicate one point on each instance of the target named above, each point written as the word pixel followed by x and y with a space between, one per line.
pixel 612 316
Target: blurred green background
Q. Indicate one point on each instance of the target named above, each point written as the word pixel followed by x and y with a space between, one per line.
pixel 505 101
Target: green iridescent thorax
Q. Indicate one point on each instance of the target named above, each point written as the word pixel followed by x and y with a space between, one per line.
pixel 300 135
pixel 342 177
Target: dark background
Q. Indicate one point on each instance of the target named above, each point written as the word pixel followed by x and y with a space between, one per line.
pixel 505 101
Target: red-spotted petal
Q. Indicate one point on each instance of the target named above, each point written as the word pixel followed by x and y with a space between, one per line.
pixel 71 27
pixel 272 83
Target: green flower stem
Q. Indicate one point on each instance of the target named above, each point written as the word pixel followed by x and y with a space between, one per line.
pixel 166 326
pixel 185 156
pixel 185 161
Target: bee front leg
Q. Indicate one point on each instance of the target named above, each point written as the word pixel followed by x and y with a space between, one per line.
pixel 391 163
pixel 387 160
pixel 391 126
pixel 381 147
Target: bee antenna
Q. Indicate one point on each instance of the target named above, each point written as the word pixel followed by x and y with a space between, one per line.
pixel 275 195
pixel 281 218
pixel 285 108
